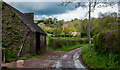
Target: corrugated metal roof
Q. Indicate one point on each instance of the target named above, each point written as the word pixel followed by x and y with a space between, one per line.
pixel 30 23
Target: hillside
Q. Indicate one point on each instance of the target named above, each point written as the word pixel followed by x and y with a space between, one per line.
pixel 105 23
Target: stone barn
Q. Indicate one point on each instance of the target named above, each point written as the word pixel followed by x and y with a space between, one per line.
pixel 20 32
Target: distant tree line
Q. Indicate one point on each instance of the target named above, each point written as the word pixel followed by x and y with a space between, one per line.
pixel 104 22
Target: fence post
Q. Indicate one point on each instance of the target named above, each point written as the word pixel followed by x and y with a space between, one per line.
pixel 3 55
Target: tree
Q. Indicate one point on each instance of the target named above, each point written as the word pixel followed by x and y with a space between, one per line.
pixel 39 21
pixel 56 31
pixel 92 5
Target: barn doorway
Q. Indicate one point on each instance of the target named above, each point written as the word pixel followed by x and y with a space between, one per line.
pixel 37 43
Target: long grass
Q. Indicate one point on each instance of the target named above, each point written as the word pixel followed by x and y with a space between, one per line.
pixel 70 38
pixel 27 57
pixel 95 59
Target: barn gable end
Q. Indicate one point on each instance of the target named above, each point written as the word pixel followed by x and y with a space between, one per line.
pixel 18 27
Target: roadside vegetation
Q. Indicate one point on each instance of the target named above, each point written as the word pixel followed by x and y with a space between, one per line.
pixel 104 53
pixel 99 59
pixel 105 47
pixel 27 57
pixel 65 43
pixel 68 35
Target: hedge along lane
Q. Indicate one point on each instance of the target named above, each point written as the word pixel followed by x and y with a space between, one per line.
pixel 65 42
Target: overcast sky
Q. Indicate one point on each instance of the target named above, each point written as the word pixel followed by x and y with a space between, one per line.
pixel 44 10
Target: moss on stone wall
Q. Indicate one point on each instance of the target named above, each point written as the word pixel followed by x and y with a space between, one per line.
pixel 13 34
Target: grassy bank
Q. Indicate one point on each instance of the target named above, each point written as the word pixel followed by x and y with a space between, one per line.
pixel 68 48
pixel 27 57
pixel 95 59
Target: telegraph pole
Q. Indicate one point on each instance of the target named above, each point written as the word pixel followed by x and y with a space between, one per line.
pixel 1 34
pixel 89 20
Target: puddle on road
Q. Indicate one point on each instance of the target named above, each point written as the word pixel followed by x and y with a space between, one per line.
pixel 76 57
pixel 57 64
pixel 64 57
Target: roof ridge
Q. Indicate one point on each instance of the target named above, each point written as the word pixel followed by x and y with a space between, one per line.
pixel 30 23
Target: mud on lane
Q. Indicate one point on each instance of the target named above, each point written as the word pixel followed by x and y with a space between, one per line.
pixel 57 59
pixel 70 60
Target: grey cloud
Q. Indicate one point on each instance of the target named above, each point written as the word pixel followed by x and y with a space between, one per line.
pixel 42 8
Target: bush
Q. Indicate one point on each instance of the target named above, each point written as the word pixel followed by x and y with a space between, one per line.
pixel 56 31
pixel 97 39
pixel 78 35
pixel 83 34
pixel 111 41
pixel 107 41
pixel 58 42
pixel 95 60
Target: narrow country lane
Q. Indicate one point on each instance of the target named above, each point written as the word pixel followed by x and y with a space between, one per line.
pixel 70 60
pixel 58 59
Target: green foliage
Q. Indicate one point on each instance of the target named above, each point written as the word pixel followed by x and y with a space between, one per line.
pixel 61 42
pixel 111 41
pixel 49 21
pixel 3 5
pixel 95 60
pixel 56 31
pixel 66 31
pixel 75 19
pixel 13 33
pixel 72 28
pixel 23 58
pixel 97 39
pixel 13 14
pixel 97 25
pixel 26 57
pixel 68 48
pixel 39 21
pixel 49 30
pixel 78 35
pixel 83 34
pixel 107 41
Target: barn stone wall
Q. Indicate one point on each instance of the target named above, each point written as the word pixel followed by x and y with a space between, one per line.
pixel 13 33
pixel 43 44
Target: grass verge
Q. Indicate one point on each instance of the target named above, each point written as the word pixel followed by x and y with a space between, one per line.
pixel 71 38
pixel 95 59
pixel 27 57
pixel 68 48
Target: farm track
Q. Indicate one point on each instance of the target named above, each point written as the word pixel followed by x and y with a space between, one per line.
pixel 57 59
